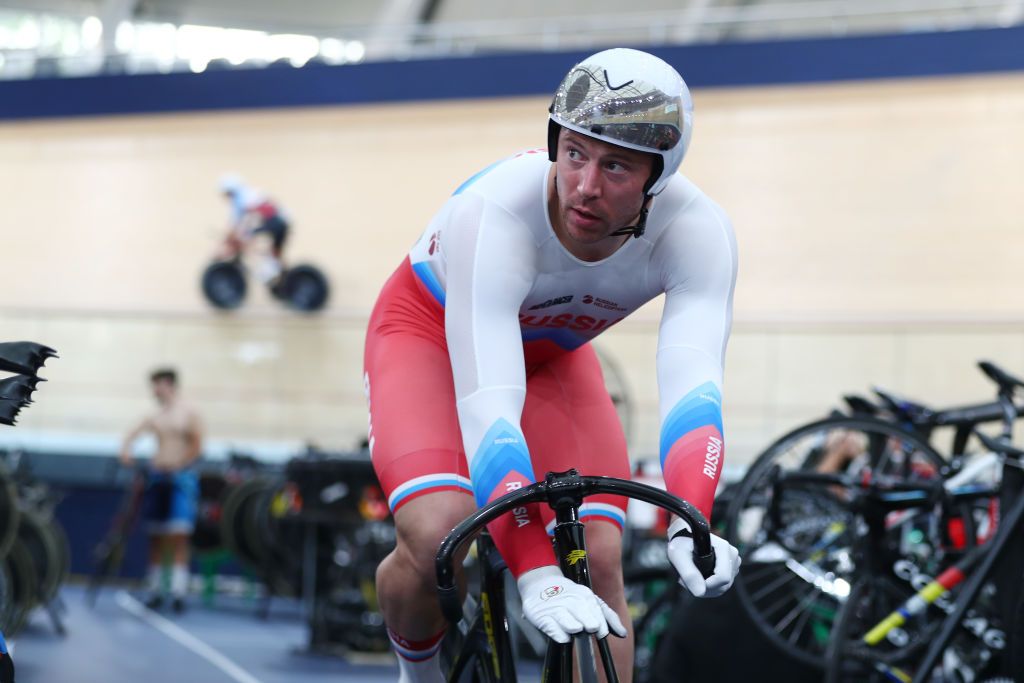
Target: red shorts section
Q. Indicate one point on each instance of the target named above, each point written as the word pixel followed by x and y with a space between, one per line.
pixel 415 442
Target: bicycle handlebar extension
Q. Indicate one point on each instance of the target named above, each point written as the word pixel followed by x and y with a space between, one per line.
pixel 557 490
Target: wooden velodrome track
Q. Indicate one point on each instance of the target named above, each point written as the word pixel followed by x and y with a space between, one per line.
pixel 880 227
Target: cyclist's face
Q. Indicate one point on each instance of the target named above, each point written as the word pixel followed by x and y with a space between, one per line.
pixel 163 390
pixel 599 186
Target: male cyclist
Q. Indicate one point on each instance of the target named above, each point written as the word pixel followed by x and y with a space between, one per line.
pixel 253 213
pixel 478 370
pixel 172 491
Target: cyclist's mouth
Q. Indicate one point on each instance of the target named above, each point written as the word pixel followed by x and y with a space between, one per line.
pixel 584 218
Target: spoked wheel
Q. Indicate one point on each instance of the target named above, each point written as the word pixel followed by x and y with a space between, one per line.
pixel 652 593
pixel 849 657
pixel 224 284
pixel 865 649
pixel 796 541
pixel 304 288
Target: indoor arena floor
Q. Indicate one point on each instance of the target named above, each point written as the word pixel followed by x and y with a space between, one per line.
pixel 120 641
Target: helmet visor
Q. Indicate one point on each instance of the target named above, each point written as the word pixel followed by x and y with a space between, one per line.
pixel 634 113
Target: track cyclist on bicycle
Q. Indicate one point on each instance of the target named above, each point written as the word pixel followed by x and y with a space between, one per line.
pixel 478 370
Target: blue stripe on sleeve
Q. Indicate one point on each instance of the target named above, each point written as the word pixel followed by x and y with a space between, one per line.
pixel 427 277
pixel 699 408
pixel 476 176
pixel 502 450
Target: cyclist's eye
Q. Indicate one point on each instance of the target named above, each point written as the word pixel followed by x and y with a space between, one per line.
pixel 573 154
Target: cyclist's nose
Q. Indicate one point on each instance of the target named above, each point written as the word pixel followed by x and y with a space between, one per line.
pixel 589 181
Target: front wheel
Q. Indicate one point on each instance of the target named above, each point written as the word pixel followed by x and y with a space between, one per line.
pixel 224 284
pixel 304 288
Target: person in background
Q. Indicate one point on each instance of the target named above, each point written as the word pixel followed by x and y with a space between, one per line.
pixel 252 214
pixel 172 489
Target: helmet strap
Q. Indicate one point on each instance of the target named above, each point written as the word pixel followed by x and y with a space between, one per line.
pixel 641 224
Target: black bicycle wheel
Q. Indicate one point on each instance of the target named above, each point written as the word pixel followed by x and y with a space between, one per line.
pixel 1015 658
pixel 857 656
pixel 36 535
pixel 24 587
pixel 796 542
pixel 232 521
pixel 6 597
pixel 651 595
pixel 9 512
pixel 224 284
pixel 305 288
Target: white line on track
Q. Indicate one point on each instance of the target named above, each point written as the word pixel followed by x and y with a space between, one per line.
pixel 184 638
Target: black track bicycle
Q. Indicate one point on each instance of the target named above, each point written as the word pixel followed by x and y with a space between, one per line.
pixel 481 650
pixel 798 538
pixel 953 614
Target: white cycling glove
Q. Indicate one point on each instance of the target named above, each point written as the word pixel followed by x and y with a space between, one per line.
pixel 680 554
pixel 560 607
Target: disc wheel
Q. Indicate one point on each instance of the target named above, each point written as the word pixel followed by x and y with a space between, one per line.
pixel 224 284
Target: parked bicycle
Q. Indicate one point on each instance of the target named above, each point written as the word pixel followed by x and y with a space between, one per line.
pixel 798 541
pixel 955 614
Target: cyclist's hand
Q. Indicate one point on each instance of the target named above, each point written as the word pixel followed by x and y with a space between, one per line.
pixel 559 606
pixel 680 553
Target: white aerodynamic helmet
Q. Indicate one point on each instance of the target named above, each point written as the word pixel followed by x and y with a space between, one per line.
pixel 628 98
pixel 229 183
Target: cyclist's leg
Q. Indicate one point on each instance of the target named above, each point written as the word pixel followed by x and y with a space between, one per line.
pixel 270 265
pixel 416 448
pixel 570 422
pixel 180 525
pixel 156 509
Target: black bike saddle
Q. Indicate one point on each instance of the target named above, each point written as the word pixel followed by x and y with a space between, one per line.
pixel 19 388
pixel 905 409
pixel 24 357
pixel 1005 380
pixel 9 410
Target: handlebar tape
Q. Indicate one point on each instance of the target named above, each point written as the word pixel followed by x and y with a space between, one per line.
pixel 451 606
pixel 704 563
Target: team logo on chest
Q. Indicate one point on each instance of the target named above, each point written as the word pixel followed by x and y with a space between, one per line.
pixel 558 301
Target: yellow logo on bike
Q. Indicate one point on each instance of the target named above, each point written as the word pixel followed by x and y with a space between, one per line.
pixel 575 556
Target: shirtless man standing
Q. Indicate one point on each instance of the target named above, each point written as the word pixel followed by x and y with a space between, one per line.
pixel 172 488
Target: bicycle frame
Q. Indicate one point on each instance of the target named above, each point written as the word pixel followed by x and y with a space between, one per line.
pixel 973 570
pixel 564 492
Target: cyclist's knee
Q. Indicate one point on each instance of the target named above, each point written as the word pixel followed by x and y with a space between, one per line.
pixel 423 523
pixel 604 555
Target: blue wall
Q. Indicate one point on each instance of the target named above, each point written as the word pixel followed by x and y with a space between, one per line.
pixel 725 64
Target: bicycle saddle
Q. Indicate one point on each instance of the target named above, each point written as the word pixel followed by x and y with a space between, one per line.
pixel 9 410
pixel 24 357
pixel 860 405
pixel 1005 380
pixel 999 445
pixel 904 409
pixel 19 387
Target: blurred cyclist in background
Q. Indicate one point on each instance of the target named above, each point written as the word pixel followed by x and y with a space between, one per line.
pixel 172 488
pixel 252 214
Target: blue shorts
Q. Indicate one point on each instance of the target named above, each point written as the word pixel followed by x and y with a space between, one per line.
pixel 171 502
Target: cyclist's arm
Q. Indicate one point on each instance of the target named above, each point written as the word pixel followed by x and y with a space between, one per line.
pixel 125 455
pixel 194 437
pixel 490 270
pixel 700 274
